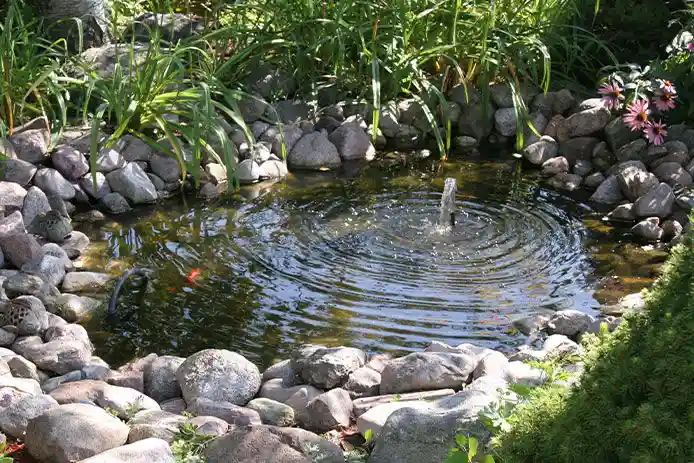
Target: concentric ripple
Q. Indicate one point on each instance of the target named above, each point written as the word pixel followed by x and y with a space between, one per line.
pixel 365 266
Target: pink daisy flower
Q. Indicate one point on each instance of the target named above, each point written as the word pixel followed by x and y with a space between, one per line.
pixel 690 47
pixel 664 101
pixel 667 87
pixel 636 117
pixel 611 95
pixel 655 132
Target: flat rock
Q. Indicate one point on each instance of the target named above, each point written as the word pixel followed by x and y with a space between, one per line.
pixel 276 389
pixel 426 371
pixel 554 346
pixel 17 171
pixel 227 411
pixel 158 424
pixel 14 419
pixel 145 451
pixel 374 419
pixel 76 282
pixel 73 432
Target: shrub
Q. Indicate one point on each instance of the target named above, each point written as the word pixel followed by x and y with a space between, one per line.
pixel 635 399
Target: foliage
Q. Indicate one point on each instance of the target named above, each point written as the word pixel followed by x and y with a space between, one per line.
pixel 4 453
pixel 678 66
pixel 634 399
pixel 188 444
pixel 466 451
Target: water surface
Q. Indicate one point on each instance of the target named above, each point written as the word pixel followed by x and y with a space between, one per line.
pixel 358 258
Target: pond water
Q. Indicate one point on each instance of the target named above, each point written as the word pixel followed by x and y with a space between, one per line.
pixel 357 258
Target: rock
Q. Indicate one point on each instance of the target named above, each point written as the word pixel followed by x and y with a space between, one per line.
pixel 209 425
pixel 408 138
pixel 247 172
pixel 569 322
pixel 59 356
pixel 218 375
pixel 603 158
pixel 649 229
pixel 300 400
pixel 425 371
pixel 132 183
pixel 352 142
pixel 7 337
pixel 618 134
pixel 363 382
pixel 273 412
pixel 70 162
pixel 622 212
pixel 555 165
pixel 115 203
pixel 154 424
pixel 30 145
pixel 374 419
pixel 227 411
pixel 328 367
pixel 425 433
pixel 630 303
pixel 172 27
pixel 49 268
pixel 273 169
pixel 653 155
pixel 289 136
pixel 11 196
pixel 26 313
pixel 672 173
pixel 21 283
pixel 476 119
pixel 492 364
pixel 276 389
pixel 541 151
pixel 76 282
pixel 281 369
pixel 24 386
pixel 588 121
pixel 75 308
pixel 53 183
pixel 145 451
pixel 563 101
pixel 554 346
pixel 73 432
pixel 75 245
pixel 102 187
pixel 14 419
pixel 566 181
pixel 582 168
pixel 657 202
pixel 52 226
pixel 108 160
pixel 672 229
pixel 165 167
pixel 505 121
pixel 557 129
pixel 122 400
pixel 134 149
pixel 35 203
pixel 522 373
pixel 608 192
pixel 160 378
pixel 578 148
pixel 329 410
pixel 289 111
pixel 17 171
pixel 594 180
pixel 314 151
pixel 632 151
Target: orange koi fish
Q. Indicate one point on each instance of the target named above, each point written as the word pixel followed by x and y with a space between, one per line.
pixel 192 276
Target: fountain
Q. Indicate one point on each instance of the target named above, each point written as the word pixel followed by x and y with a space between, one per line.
pixel 447 216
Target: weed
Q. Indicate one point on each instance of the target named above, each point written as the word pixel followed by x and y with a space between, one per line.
pixel 188 445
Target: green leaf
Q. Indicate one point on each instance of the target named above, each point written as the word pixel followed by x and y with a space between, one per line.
pixel 368 435
pixel 456 456
pixel 472 447
pixel 488 459
pixel 461 440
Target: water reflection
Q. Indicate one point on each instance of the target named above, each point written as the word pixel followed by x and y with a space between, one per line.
pixel 357 260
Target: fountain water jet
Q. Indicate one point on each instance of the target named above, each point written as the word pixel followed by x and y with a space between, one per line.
pixel 447 216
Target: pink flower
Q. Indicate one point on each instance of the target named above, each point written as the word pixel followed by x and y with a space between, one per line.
pixel 612 95
pixel 690 47
pixel 637 115
pixel 664 101
pixel 667 87
pixel 655 131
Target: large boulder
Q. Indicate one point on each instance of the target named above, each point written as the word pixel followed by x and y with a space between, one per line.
pixel 313 152
pixel 634 180
pixel 425 371
pixel 145 451
pixel 70 162
pixel 657 202
pixel 588 121
pixel 73 432
pixel 219 375
pixel 14 419
pixel 327 367
pixel 124 401
pixel 31 145
pixel 133 184
pixel 53 183
pixel 352 142
pixel 17 171
pixel 160 378
pixel 263 444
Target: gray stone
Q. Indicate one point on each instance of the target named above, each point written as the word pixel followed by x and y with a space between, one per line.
pixel 75 308
pixel 276 389
pixel 247 172
pixel 166 167
pixel 608 192
pixel 154 424
pixel 672 173
pixel 569 322
pixel 49 268
pixel 102 187
pixel 588 121
pixel 133 184
pixel 364 404
pixel 134 149
pixel 218 375
pixel 649 229
pixel 171 27
pixel 300 400
pixel 328 367
pixel 374 419
pixel 227 411
pixel 35 203
pixel 563 101
pixel 25 386
pixel 555 166
pixel 76 245
pixel 273 412
pixel 582 167
pixel 14 419
pixel 618 134
pixel 115 203
pixel 289 136
pixel 352 142
pixel 160 378
pixel 541 151
pixel 314 151
pixel 329 410
pixel 426 371
pixel 476 120
pixel 53 183
pixel 124 401
pixel 363 382
pixel 73 432
pixel 522 373
pixel 76 282
pixel 70 162
pixel 557 129
pixel 505 121
pixel 594 180
pixel 108 160
pixel 657 202
pixel 408 138
pixel 17 171
pixel 425 433
pixel 11 196
pixel 492 364
pixel 672 229
pixel 31 318
pixel 7 337
pixel 263 444
pixel 630 303
pixel 21 283
pixel 59 356
pixel 273 169
pixel 622 212
pixel 30 145
pixel 289 111
pixel 554 346
pixel 566 181
pixel 603 158
pixel 632 151
pixel 653 155
pixel 209 425
pixel 280 369
pixel 578 148
pixel 145 451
